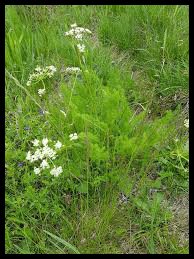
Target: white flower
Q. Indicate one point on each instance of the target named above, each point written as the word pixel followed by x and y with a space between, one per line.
pixel 73 25
pixel 72 70
pixel 73 136
pixel 38 154
pixel 41 91
pixel 81 48
pixel 79 36
pixel 52 68
pixel 28 157
pixel 58 144
pixel 44 164
pixel 38 69
pixel 35 142
pixel 77 32
pixel 186 123
pixel 48 152
pixel 71 32
pixel 43 153
pixel 56 171
pixel 41 73
pixel 37 170
pixel 29 83
pixel 44 141
pixel 80 29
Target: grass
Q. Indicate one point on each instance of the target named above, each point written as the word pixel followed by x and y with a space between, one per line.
pixel 124 186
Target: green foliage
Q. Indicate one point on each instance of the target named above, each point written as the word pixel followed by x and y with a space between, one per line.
pixel 123 146
pixel 66 244
pixel 157 36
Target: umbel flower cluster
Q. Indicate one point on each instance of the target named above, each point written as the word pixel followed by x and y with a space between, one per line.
pixel 186 123
pixel 77 33
pixel 41 73
pixel 44 153
pixel 72 70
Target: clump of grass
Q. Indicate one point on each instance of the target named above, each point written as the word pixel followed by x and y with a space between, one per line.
pixel 156 38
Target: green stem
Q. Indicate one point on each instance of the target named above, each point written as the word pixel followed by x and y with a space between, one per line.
pixel 21 86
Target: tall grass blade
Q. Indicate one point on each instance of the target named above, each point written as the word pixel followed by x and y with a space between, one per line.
pixel 66 244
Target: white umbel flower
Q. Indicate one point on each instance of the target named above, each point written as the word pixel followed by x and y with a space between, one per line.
pixel 29 156
pixel 44 164
pixel 38 154
pixel 58 144
pixel 38 69
pixel 73 136
pixel 52 68
pixel 37 170
pixel 73 25
pixel 48 152
pixel 81 48
pixel 77 32
pixel 56 171
pixel 44 153
pixel 29 83
pixel 72 70
pixel 35 142
pixel 186 123
pixel 41 92
pixel 44 141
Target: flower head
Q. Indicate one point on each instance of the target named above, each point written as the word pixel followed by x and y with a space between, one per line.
pixel 35 142
pixel 37 170
pixel 81 48
pixel 186 123
pixel 38 154
pixel 56 171
pixel 58 144
pixel 73 136
pixel 77 32
pixel 28 157
pixel 44 141
pixel 48 152
pixel 29 83
pixel 45 154
pixel 44 164
pixel 52 68
pixel 73 25
pixel 41 91
pixel 41 73
pixel 72 70
pixel 38 69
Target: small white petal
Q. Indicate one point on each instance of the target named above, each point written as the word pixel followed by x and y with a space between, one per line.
pixel 73 25
pixel 41 91
pixel 44 141
pixel 58 144
pixel 44 164
pixel 37 170
pixel 186 123
pixel 28 157
pixel 73 136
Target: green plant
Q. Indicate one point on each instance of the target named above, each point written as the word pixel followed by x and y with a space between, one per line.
pixel 63 242
pixel 110 114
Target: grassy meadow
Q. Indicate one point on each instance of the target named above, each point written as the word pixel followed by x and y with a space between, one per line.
pixel 96 129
